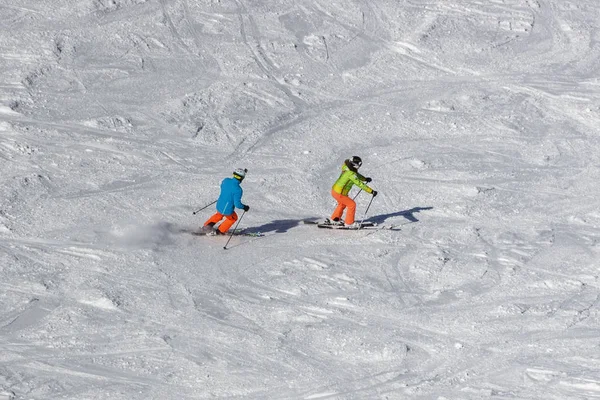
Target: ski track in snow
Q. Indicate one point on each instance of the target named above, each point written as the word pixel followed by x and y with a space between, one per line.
pixel 476 120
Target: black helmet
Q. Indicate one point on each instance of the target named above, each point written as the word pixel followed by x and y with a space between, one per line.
pixel 356 162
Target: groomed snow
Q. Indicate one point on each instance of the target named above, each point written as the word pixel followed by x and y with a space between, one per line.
pixel 478 121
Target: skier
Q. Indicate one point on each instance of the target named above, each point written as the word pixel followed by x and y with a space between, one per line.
pixel 341 188
pixel 229 198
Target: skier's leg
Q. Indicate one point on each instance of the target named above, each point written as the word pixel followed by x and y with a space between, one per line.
pixel 350 211
pixel 349 204
pixel 339 210
pixel 229 220
pixel 337 213
pixel 214 219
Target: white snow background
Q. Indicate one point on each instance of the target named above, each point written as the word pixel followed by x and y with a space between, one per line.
pixel 479 122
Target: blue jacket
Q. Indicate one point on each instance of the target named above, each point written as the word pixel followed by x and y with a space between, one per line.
pixel 230 197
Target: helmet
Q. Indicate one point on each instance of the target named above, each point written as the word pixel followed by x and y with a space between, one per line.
pixel 240 173
pixel 356 162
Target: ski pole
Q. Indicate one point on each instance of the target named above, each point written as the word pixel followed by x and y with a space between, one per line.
pixel 354 198
pixel 367 210
pixel 208 205
pixel 234 228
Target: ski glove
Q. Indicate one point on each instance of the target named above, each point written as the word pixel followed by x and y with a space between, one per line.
pixel 368 180
pixel 374 193
pixel 246 208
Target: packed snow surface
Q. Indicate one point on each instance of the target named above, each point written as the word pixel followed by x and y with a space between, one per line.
pixel 478 121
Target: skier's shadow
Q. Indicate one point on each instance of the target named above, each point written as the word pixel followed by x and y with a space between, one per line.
pixel 277 226
pixel 284 225
pixel 408 214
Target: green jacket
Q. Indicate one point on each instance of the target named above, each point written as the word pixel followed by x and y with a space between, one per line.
pixel 348 178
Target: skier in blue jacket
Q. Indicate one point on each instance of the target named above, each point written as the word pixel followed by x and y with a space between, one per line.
pixel 229 198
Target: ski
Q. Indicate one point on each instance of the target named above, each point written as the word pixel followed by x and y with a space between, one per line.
pixel 383 228
pixel 347 228
pixel 327 224
pixel 249 234
pixel 236 233
pixel 364 226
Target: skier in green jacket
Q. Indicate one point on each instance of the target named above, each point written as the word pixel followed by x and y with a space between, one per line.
pixel 342 186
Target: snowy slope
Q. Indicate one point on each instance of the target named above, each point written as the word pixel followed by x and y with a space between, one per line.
pixel 478 121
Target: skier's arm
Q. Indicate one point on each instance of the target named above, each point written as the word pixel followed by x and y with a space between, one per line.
pixel 356 180
pixel 361 178
pixel 237 198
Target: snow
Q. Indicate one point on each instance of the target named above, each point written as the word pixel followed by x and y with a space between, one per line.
pixel 478 122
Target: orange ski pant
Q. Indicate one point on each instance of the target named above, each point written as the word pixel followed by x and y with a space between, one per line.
pixel 217 217
pixel 344 202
